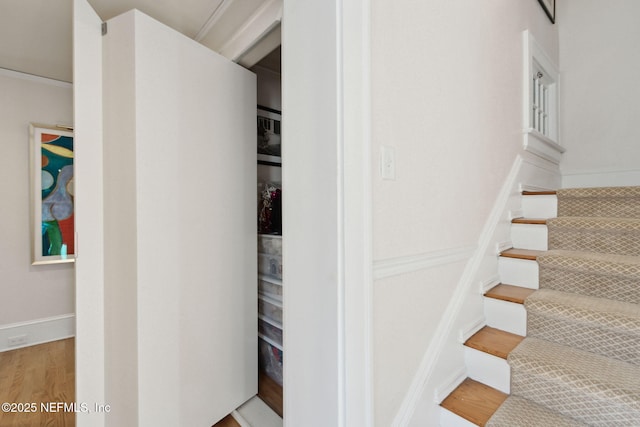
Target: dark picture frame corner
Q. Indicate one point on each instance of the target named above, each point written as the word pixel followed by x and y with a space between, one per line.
pixel 549 7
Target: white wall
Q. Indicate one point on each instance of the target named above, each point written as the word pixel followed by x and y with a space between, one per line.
pixel 599 66
pixel 447 96
pixel 29 293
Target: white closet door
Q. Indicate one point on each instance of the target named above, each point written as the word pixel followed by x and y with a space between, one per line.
pixel 180 285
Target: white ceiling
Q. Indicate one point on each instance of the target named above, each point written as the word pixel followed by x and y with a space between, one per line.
pixel 36 35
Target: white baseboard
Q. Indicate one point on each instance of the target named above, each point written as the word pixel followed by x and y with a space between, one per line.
pixel 503 246
pixel 451 383
pixel 600 178
pixel 37 331
pixel 516 213
pixel 468 331
pixel 485 285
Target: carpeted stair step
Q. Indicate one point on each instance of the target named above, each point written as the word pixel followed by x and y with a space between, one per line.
pixel 619 236
pixel 621 202
pixel 584 386
pixel 598 325
pixel 607 276
pixel 519 412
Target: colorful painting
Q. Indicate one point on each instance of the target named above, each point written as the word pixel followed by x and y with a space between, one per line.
pixel 53 193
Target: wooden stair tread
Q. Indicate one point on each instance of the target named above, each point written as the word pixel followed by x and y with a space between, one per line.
pixel 535 221
pixel 539 193
pixel 528 254
pixel 494 341
pixel 474 401
pixel 509 293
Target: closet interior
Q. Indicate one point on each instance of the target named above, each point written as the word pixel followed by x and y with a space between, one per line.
pixel 269 227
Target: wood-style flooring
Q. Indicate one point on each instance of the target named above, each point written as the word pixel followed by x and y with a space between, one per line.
pixel 40 374
pixel 227 421
pixel 45 374
pixel 270 392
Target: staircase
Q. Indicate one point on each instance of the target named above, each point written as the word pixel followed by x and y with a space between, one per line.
pixel 562 341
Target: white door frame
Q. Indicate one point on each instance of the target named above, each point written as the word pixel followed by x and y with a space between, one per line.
pixel 327 213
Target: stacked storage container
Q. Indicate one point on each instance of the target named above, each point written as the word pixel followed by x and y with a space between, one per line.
pixel 270 305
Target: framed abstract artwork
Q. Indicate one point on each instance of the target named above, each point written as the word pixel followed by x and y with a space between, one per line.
pixel 52 194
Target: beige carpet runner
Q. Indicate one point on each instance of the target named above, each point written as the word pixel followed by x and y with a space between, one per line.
pixel 580 362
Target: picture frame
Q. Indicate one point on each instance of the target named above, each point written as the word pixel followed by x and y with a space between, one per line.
pixel 268 136
pixel 52 194
pixel 549 7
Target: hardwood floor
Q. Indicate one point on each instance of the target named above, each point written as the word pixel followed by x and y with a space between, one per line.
pixel 34 376
pixel 270 392
pixel 45 375
pixel 227 421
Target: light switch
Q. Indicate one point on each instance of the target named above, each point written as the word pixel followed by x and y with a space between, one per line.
pixel 388 162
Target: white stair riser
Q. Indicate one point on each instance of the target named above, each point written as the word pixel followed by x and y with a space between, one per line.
pixel 540 206
pixel 529 236
pixel 449 419
pixel 488 369
pixel 518 272
pixel 508 316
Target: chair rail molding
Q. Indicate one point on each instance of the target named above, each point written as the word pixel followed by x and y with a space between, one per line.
pixel 390 267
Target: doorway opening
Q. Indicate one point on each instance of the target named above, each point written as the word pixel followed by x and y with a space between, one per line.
pixel 269 224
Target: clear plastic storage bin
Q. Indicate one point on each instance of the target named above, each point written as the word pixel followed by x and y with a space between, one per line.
pixel 270 287
pixel 270 331
pixel 270 359
pixel 270 265
pixel 270 308
pixel 270 244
